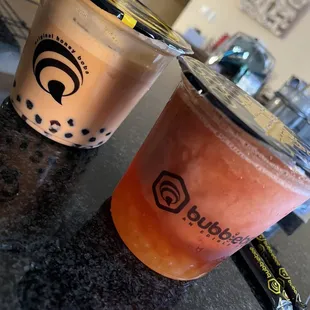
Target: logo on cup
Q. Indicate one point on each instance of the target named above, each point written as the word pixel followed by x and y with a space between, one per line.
pixel 170 192
pixel 67 76
pixel 171 195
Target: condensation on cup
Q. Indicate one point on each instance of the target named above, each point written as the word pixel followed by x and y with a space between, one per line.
pixel 86 64
pixel 216 170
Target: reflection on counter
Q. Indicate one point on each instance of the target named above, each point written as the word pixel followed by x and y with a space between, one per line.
pixel 102 276
pixel 37 182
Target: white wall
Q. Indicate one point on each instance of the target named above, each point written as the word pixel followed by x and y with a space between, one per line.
pixel 292 53
pixel 167 13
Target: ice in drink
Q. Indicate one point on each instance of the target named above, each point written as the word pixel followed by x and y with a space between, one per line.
pixel 202 186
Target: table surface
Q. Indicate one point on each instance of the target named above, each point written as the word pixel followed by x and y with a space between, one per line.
pixel 58 246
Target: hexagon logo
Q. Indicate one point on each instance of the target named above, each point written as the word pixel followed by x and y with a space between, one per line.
pixel 274 286
pixel 170 192
pixel 283 273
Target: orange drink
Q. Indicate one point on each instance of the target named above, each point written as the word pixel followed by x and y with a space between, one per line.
pixel 216 170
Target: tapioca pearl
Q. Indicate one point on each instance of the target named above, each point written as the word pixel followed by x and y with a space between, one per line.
pixel 24 117
pixel 14 84
pixel 77 145
pixel 38 119
pixel 71 122
pixel 55 126
pixel 93 139
pixel 102 130
pixel 85 132
pixel 18 98
pixel 108 134
pixel 68 135
pixel 29 104
pixel 101 142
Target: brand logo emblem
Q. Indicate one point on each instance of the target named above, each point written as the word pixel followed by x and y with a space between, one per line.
pixel 170 192
pixel 283 273
pixel 171 195
pixel 274 286
pixel 66 67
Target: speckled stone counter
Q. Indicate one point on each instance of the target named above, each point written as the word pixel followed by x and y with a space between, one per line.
pixel 58 246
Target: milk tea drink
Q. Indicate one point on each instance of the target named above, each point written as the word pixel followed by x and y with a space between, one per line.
pixel 86 64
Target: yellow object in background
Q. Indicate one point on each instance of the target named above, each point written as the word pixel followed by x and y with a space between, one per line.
pixel 129 21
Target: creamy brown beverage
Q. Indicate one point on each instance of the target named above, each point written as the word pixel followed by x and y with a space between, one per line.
pixel 87 64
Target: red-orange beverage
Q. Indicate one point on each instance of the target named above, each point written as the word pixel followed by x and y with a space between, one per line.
pixel 202 186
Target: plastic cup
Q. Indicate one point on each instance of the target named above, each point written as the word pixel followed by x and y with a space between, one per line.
pixel 86 64
pixel 216 170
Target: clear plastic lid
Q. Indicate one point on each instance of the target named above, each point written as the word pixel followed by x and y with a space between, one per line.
pixel 140 18
pixel 245 111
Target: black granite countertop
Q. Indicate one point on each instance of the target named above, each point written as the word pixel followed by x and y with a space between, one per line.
pixel 58 246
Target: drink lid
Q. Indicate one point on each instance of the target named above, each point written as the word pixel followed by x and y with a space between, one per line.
pixel 140 18
pixel 245 111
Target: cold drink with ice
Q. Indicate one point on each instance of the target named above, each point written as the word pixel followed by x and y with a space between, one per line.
pixel 216 170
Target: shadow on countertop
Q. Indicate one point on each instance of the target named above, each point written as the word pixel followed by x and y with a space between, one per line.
pixel 95 270
pixel 90 273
